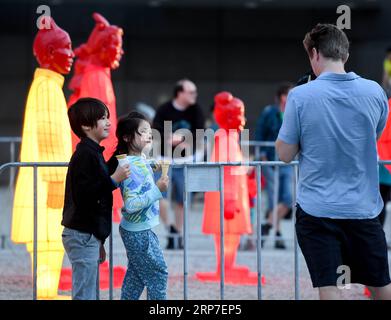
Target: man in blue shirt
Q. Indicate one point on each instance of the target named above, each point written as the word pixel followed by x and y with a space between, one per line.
pixel 267 128
pixel 333 123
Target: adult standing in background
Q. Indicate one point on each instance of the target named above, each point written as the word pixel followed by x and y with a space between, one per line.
pixel 268 125
pixel 184 113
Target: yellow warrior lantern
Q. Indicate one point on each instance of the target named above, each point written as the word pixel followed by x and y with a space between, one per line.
pixel 46 138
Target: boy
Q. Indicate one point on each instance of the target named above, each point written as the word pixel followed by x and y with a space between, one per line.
pixel 88 196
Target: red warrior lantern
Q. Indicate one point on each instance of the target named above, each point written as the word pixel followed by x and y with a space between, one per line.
pixel 229 115
pixel 92 78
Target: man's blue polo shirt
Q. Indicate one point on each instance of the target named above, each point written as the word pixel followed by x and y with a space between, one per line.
pixel 336 120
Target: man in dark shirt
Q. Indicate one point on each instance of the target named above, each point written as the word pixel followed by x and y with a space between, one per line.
pixel 88 196
pixel 181 112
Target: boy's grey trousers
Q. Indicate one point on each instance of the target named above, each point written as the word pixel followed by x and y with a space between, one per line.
pixel 83 253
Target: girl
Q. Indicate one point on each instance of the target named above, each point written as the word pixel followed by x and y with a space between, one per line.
pixel 146 265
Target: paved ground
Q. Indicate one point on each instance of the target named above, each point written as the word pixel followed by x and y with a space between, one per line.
pixel 277 265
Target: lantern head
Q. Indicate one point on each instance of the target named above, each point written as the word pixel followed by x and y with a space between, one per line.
pixel 105 42
pixel 53 47
pixel 229 111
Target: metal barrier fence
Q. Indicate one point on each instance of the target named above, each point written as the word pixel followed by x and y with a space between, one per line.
pixel 12 141
pixel 215 182
pixel 197 183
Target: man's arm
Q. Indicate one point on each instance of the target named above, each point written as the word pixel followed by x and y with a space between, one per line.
pixel 286 151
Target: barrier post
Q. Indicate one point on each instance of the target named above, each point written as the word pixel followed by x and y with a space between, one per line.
pixel 35 240
pixel 222 265
pixel 259 232
pixel 294 185
pixel 111 278
pixel 185 234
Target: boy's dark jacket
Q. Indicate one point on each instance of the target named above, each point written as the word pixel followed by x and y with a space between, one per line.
pixel 88 191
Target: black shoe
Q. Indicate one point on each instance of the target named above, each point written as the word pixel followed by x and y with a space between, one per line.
pixel 280 244
pixel 180 243
pixel 178 239
pixel 171 241
pixel 265 229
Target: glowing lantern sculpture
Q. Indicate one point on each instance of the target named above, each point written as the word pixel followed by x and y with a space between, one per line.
pixel 229 115
pixel 92 78
pixel 46 138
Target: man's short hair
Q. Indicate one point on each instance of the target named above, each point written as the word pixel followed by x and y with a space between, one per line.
pixel 330 41
pixel 86 112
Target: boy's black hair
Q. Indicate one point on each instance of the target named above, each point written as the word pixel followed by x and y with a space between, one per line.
pixel 127 126
pixel 388 50
pixel 86 112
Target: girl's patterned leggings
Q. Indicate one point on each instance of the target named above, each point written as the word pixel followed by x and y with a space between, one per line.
pixel 146 266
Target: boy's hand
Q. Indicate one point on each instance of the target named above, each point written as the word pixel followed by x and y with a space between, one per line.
pixel 162 184
pixel 102 254
pixel 121 173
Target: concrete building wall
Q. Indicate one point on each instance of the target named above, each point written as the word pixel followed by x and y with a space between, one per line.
pixel 247 52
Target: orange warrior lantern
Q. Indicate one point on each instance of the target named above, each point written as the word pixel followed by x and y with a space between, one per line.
pixel 229 115
pixel 46 137
pixel 104 48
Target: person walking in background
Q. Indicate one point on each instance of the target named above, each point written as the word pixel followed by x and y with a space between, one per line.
pixel 184 113
pixel 267 127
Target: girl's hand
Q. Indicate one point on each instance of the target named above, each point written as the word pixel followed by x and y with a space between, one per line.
pixel 156 166
pixel 121 173
pixel 162 184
